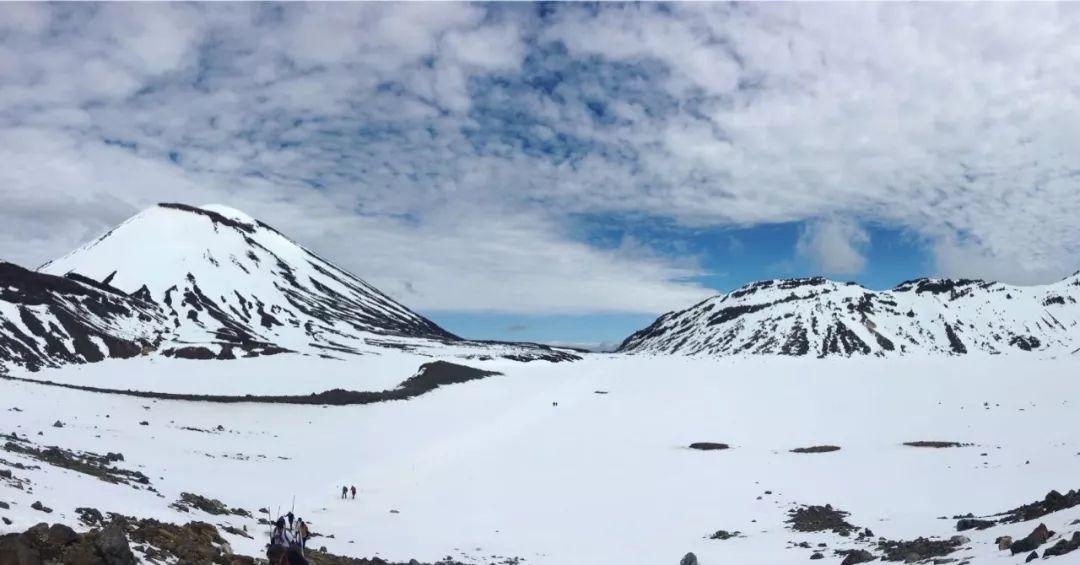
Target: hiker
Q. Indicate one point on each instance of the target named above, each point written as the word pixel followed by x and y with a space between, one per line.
pixel 278 536
pixel 344 493
pixel 354 492
pixel 290 517
pixel 302 530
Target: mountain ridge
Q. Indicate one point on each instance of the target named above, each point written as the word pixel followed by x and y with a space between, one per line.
pixel 819 316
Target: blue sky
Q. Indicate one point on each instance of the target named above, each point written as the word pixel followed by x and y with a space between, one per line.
pixel 560 172
pixel 730 258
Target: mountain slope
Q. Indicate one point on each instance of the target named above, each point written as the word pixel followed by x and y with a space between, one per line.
pixel 48 321
pixel 228 284
pixel 824 318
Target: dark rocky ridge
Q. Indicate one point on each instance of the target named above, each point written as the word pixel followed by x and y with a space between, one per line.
pixel 429 377
pixel 62 320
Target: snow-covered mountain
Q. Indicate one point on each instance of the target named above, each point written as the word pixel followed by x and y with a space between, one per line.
pixel 48 321
pixel 205 283
pixel 816 316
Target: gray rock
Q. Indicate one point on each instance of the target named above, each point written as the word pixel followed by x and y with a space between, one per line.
pixel 689 559
pixel 60 534
pixel 113 545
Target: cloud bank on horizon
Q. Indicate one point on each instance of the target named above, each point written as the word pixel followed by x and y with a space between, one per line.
pixel 446 152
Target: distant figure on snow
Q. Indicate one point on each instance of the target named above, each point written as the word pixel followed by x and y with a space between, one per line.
pixel 290 518
pixel 344 493
pixel 354 492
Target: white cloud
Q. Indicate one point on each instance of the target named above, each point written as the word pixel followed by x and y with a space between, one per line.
pixel 836 246
pixel 460 136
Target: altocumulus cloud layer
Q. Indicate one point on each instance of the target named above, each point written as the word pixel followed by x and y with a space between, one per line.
pixel 443 151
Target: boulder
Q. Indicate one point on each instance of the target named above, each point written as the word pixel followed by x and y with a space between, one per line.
pixel 113 545
pixel 965 524
pixel 61 535
pixel 1063 546
pixel 708 446
pixel 16 550
pixel 689 559
pixel 857 556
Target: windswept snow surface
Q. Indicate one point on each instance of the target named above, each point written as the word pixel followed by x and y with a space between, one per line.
pixel 492 467
pixel 822 318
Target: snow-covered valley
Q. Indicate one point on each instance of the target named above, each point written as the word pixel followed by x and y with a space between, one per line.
pixel 572 463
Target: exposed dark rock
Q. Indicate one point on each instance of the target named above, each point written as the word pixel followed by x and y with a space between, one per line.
pixel 212 506
pixel 725 535
pixel 1032 541
pixel 818 519
pixel 37 505
pixel 86 462
pixel 90 516
pixel 59 534
pixel 689 559
pixel 1063 546
pixel 1054 501
pixel 429 377
pixel 816 449
pixel 965 524
pixel 935 444
pixel 922 547
pixel 708 446
pixel 855 556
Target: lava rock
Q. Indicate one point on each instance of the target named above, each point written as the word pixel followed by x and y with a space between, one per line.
pixel 816 449
pixel 708 446
pixel 113 545
pixel 857 556
pixel 965 524
pixel 1063 546
pixel 60 534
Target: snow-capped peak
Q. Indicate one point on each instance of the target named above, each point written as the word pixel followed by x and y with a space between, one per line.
pixel 225 277
pixel 229 212
pixel 817 316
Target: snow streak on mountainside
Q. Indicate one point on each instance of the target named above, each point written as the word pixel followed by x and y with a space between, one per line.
pixel 230 285
pixel 820 317
pixel 47 321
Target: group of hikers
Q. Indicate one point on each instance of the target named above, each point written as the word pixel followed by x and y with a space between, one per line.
pixel 290 535
pixel 288 540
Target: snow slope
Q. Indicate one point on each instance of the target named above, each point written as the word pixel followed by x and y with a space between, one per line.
pixel 223 276
pixel 492 467
pixel 820 317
